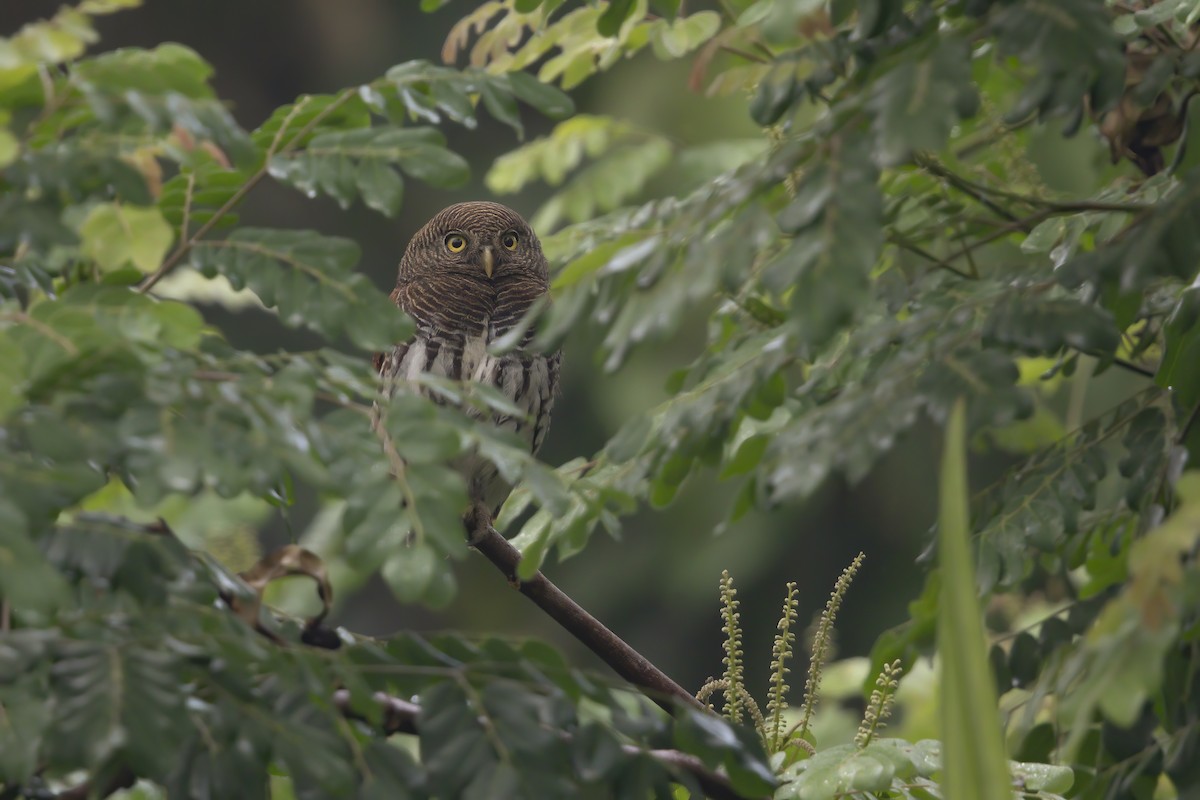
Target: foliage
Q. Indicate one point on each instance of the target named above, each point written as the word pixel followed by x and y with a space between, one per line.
pixel 872 766
pixel 199 702
pixel 970 725
pixel 890 244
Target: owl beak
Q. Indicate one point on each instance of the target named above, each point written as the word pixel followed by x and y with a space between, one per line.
pixel 488 261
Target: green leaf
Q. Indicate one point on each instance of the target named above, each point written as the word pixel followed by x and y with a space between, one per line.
pixel 64 37
pixel 10 147
pixel 614 15
pixel 719 743
pixel 422 91
pixel 347 164
pixel 606 184
pixel 600 257
pixel 747 456
pixel 1072 47
pixel 27 581
pixel 12 375
pixel 392 774
pixel 309 279
pixel 114 700
pixel 680 36
pixel 197 192
pixel 454 747
pixel 918 101
pixel 1159 244
pixel 836 217
pixel 1178 370
pixel 410 571
pixel 169 67
pixel 775 95
pixel 296 124
pixel 548 99
pixel 24 719
pixel 973 750
pixel 1128 643
pixel 894 766
pixel 116 235
pixel 1037 325
pixel 552 157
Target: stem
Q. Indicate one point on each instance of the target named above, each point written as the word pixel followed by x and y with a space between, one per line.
pixel 905 244
pixel 1137 369
pixel 399 469
pixel 978 191
pixel 746 54
pixel 186 246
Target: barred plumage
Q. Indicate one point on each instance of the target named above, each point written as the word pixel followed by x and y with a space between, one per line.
pixel 467 277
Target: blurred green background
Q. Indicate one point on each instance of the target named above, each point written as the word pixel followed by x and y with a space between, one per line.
pixel 657 586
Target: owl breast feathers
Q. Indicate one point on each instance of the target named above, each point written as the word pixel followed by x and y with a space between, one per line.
pixel 467 278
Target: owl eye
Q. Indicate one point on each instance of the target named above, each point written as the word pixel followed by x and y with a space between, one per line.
pixel 456 242
pixel 509 240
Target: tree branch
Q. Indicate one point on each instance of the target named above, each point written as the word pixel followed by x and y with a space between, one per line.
pixel 1137 369
pixel 625 661
pixel 905 244
pixel 981 192
pixel 402 716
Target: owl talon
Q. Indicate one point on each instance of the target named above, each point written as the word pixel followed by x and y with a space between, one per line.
pixel 478 521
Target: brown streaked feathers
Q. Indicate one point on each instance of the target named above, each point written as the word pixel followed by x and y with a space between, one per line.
pixel 460 309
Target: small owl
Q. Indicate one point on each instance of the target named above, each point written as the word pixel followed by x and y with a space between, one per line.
pixel 467 278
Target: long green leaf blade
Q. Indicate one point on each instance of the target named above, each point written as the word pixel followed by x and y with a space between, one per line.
pixel 973 751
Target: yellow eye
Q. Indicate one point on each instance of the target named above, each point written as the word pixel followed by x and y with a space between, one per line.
pixel 456 242
pixel 509 240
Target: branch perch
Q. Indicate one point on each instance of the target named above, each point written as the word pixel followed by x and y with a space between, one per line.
pixel 624 660
pixel 402 716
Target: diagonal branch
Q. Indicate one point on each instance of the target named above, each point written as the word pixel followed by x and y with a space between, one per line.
pixel 402 716
pixel 625 661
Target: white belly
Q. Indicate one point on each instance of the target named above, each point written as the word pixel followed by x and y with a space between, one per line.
pixel 522 378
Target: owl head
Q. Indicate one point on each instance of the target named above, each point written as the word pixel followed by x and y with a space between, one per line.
pixel 478 240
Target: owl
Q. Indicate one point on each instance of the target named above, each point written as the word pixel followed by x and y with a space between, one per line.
pixel 467 278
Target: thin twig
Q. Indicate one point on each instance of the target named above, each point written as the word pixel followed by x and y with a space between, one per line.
pixel 186 246
pixel 1130 366
pixel 45 330
pixel 978 191
pixel 402 716
pixel 737 51
pixel 399 469
pixel 624 660
pixel 905 244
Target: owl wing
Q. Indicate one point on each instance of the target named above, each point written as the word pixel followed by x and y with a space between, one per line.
pixel 430 306
pixel 514 298
pixel 380 359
